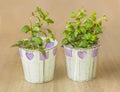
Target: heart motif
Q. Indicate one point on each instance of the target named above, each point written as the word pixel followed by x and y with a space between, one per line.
pixel 29 55
pixel 20 51
pixel 68 52
pixel 94 53
pixel 54 51
pixel 50 45
pixel 42 57
pixel 82 54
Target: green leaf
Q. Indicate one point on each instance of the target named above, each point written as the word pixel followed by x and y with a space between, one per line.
pixel 69 38
pixel 88 24
pixel 20 43
pixel 26 29
pixel 104 18
pixel 46 14
pixel 83 44
pixel 51 34
pixel 34 32
pixel 47 40
pixel 42 51
pixel 49 31
pixel 65 32
pixel 73 15
pixel 15 45
pixel 83 29
pixel 33 14
pixel 78 23
pixel 68 22
pixel 53 37
pixel 77 31
pixel 36 26
pixel 81 14
pixel 65 41
pixel 37 40
pixel 68 32
pixel 40 12
pixel 86 36
pixel 93 37
pixel 83 10
pixel 70 28
pixel 76 44
pixel 99 22
pixel 69 25
pixel 49 21
pixel 98 29
pixel 73 37
pixel 93 15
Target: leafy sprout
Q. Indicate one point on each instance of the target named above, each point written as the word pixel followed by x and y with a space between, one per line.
pixel 83 30
pixel 36 42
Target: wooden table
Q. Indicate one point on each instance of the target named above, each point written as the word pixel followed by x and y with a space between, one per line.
pixel 13 14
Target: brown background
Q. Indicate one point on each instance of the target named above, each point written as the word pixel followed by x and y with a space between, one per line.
pixel 15 13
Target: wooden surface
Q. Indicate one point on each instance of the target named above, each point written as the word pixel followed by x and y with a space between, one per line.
pixel 15 13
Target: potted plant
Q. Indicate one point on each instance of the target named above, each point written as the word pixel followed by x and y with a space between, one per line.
pixel 38 52
pixel 81 44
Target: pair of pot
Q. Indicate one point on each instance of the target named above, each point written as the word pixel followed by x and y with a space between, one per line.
pixel 81 63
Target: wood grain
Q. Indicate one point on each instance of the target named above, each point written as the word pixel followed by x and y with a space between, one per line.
pixel 15 13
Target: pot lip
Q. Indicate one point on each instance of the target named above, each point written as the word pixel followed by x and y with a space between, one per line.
pixel 46 49
pixel 70 47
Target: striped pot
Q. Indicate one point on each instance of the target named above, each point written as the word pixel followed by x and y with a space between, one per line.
pixel 36 67
pixel 81 63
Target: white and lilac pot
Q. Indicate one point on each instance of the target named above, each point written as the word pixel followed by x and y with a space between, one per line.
pixel 81 63
pixel 36 67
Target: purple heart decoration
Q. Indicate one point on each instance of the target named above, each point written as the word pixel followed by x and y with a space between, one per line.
pixel 42 57
pixel 68 52
pixel 20 51
pixel 54 51
pixel 82 54
pixel 94 53
pixel 50 45
pixel 29 55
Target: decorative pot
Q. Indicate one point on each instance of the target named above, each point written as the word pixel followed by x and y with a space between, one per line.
pixel 81 63
pixel 38 68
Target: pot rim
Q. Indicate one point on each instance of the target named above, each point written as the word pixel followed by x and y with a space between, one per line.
pixel 70 47
pixel 46 49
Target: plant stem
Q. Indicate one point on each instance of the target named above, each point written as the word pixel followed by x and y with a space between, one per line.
pixel 30 19
pixel 38 18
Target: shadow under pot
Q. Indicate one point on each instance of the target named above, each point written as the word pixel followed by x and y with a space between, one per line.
pixel 81 63
pixel 38 68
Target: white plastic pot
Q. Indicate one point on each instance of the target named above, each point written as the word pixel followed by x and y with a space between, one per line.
pixel 36 67
pixel 81 63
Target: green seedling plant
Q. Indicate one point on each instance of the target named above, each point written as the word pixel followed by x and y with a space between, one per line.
pixel 83 29
pixel 37 32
